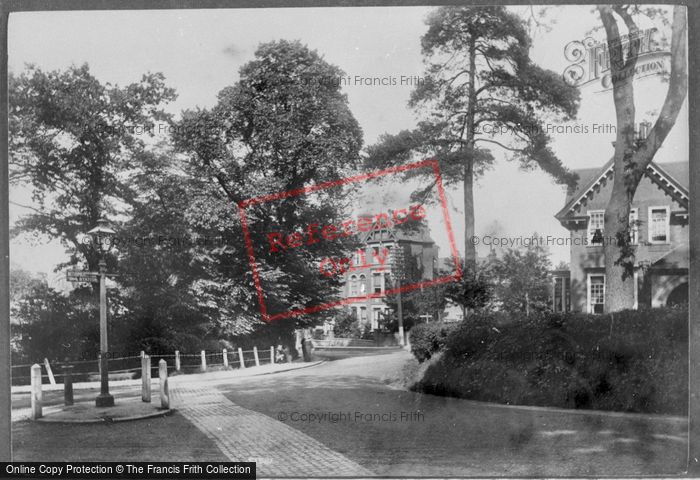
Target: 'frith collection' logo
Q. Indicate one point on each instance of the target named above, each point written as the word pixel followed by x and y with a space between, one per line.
pixel 590 60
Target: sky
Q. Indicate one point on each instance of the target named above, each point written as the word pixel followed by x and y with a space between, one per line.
pixel 201 51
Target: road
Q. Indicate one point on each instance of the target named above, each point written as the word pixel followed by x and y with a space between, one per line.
pixel 454 437
pixel 343 414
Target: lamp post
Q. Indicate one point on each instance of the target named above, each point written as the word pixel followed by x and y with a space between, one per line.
pixel 102 237
pixel 398 273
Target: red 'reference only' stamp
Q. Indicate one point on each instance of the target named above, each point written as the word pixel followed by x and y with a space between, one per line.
pixel 405 216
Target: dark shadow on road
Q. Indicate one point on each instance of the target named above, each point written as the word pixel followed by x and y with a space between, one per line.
pixel 398 432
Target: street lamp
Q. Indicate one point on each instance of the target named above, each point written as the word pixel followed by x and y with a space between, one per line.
pixel 102 237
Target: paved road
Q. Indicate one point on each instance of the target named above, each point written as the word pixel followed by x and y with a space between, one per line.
pixel 342 418
pixel 448 436
pixel 245 435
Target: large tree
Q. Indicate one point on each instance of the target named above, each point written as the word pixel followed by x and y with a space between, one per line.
pixel 632 155
pixel 282 126
pixel 72 143
pixel 160 262
pixel 522 281
pixel 481 91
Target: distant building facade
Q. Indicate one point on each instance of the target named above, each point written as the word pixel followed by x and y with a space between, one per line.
pixel 659 219
pixel 373 277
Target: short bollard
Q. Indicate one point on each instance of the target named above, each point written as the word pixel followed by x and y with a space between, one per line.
pixel 255 354
pixel 146 378
pixel 204 361
pixel 240 357
pixel 177 360
pixel 225 358
pixel 68 385
pixel 36 399
pixel 163 376
pixel 272 354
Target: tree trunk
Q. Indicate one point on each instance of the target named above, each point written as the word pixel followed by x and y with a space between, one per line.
pixel 631 160
pixel 469 233
pixel 619 285
pixel 527 304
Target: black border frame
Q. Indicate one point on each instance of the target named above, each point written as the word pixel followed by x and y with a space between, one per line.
pixel 9 6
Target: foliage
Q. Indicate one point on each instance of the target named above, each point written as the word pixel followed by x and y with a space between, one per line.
pixel 479 80
pixel 162 261
pixel 430 300
pixel 475 290
pixel 73 140
pixel 49 324
pixel 521 278
pixel 632 361
pixel 429 338
pixel 275 130
pixel 346 325
pixel 183 276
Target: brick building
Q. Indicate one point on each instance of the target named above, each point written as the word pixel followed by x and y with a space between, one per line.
pixel 367 284
pixel 660 232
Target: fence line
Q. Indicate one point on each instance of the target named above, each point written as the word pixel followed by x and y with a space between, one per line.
pixel 187 362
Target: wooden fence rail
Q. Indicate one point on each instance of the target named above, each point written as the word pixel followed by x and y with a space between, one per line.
pixel 124 367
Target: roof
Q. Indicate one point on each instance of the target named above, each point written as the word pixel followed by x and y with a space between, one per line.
pixel 586 176
pixel 677 257
pixel 672 176
pixel 679 171
pixel 417 235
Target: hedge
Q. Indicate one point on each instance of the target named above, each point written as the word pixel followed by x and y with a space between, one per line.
pixel 634 361
pixel 428 338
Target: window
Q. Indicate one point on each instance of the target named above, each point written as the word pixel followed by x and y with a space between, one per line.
pixel 363 284
pixel 353 286
pixel 659 226
pixel 595 227
pixel 357 260
pixel 634 228
pixel 560 302
pixel 363 314
pixel 375 254
pixel 376 316
pixel 377 282
pixel 596 293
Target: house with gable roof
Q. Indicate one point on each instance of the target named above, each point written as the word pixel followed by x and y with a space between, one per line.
pixel 659 219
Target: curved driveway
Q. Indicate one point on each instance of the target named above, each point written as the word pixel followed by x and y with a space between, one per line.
pixel 347 406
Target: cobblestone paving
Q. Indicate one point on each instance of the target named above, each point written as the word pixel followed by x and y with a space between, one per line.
pixel 245 435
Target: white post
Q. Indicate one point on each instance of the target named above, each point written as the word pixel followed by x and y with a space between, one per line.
pixel 143 354
pixel 257 360
pixel 52 380
pixel 36 399
pixel 146 378
pixel 225 358
pixel 240 357
pixel 297 340
pixel 204 361
pixel 177 360
pixel 163 376
pixel 272 354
